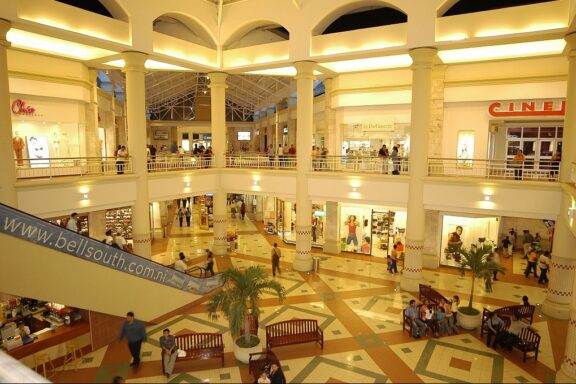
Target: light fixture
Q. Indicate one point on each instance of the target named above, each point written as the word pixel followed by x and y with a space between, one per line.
pixel 504 51
pixel 256 183
pixel 373 63
pixel 85 196
pixel 487 197
pixel 187 184
pixel 354 189
pixel 571 212
pixel 283 71
pixel 149 64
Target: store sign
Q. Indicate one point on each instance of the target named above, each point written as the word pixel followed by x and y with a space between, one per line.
pixel 29 228
pixel 527 108
pixel 19 107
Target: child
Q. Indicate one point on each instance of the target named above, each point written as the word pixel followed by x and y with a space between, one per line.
pixel 263 378
pixel 455 306
pixel 389 262
pixel 441 319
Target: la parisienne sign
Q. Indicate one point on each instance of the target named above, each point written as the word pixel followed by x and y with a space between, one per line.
pixel 527 108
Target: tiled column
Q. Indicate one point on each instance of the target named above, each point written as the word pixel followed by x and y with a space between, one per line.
pixel 218 109
pixel 7 164
pixel 304 105
pixel 421 118
pixel 91 131
pixel 563 267
pixel 136 120
pixel 331 238
pixel 97 227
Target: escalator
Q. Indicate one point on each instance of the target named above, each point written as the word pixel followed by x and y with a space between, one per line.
pixel 50 263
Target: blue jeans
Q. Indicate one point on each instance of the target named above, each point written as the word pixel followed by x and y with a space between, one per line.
pixel 353 239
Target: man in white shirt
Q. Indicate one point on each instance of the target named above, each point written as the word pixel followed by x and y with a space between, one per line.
pixel 72 223
pixel 180 264
pixel 544 264
pixel 120 241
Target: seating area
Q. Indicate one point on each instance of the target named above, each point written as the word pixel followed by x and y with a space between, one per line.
pixel 200 346
pixel 528 342
pixel 294 331
pixel 525 313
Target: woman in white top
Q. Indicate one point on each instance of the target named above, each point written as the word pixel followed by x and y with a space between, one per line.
pixel 180 264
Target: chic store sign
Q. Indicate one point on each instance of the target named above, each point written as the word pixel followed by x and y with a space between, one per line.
pixel 25 227
pixel 527 108
pixel 19 107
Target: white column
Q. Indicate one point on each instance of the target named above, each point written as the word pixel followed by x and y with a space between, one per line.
pixel 218 111
pixel 421 118
pixel 91 131
pixel 305 114
pixel 136 120
pixel 562 270
pixel 332 140
pixel 7 164
pixel 331 224
pixel 560 300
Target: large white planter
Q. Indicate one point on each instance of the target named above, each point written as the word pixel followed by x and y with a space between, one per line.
pixel 243 354
pixel 470 322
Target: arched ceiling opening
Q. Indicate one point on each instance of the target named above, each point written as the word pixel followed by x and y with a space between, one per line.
pixel 256 33
pixel 108 8
pixel 461 7
pixel 360 15
pixel 184 28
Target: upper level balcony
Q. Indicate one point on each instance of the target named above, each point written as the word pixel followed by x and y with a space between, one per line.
pixel 545 170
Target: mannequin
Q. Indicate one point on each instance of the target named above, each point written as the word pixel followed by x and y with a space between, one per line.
pixel 18 145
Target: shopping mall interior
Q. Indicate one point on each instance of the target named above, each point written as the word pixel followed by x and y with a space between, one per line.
pixel 348 133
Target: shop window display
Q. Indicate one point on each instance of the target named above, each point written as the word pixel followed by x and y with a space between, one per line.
pixel 120 221
pixel 462 232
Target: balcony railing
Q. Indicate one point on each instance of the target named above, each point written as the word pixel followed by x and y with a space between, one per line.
pixel 177 163
pixel 286 162
pixel 70 166
pixel 360 164
pixel 544 170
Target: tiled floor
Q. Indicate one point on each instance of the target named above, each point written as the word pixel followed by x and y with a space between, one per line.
pixel 358 305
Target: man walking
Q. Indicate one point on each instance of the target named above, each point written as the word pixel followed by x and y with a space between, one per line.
pixel 544 264
pixel 276 255
pixel 135 333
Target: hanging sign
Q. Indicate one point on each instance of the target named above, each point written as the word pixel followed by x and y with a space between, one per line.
pixel 527 108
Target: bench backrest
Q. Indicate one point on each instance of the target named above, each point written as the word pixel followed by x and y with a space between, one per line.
pixel 292 327
pixel 525 312
pixel 429 293
pixel 529 336
pixel 191 341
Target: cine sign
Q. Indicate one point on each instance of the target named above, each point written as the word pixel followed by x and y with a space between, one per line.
pixel 527 108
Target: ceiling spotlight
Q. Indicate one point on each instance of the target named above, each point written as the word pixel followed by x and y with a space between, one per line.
pixel 487 197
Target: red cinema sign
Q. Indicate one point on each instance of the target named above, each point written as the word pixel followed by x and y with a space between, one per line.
pixel 19 107
pixel 527 108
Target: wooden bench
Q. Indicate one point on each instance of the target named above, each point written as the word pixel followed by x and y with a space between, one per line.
pixel 260 361
pixel 407 323
pixel 294 331
pixel 200 346
pixel 528 341
pixel 426 292
pixel 525 313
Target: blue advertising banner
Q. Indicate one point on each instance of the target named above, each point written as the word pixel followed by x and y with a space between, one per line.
pixel 29 228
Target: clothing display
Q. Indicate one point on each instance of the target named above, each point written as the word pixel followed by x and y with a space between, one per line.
pixel 18 145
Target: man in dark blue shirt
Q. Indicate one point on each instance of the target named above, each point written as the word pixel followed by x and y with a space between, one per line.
pixel 135 333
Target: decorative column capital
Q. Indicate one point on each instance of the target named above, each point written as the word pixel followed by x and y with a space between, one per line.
pixel 571 40
pixel 304 69
pixel 218 80
pixel 423 57
pixel 5 26
pixel 134 61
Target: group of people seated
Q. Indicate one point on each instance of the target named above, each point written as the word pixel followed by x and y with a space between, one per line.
pixel 272 374
pixel 438 319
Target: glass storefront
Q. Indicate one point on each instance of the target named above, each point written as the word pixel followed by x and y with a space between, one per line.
pixel 371 230
pixel 463 231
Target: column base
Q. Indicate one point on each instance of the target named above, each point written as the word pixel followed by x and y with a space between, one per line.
pixel 410 284
pixel 220 249
pixel 430 261
pixel 302 265
pixel 556 311
pixel 563 377
pixel 331 246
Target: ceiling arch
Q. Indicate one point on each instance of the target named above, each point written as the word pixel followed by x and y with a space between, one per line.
pixel 250 26
pixel 333 14
pixel 194 24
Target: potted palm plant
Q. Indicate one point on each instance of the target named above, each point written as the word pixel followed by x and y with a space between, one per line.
pixel 239 300
pixel 476 261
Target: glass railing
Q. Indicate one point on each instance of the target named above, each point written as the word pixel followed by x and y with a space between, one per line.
pixel 71 166
pixel 543 170
pixel 286 162
pixel 361 164
pixel 178 163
